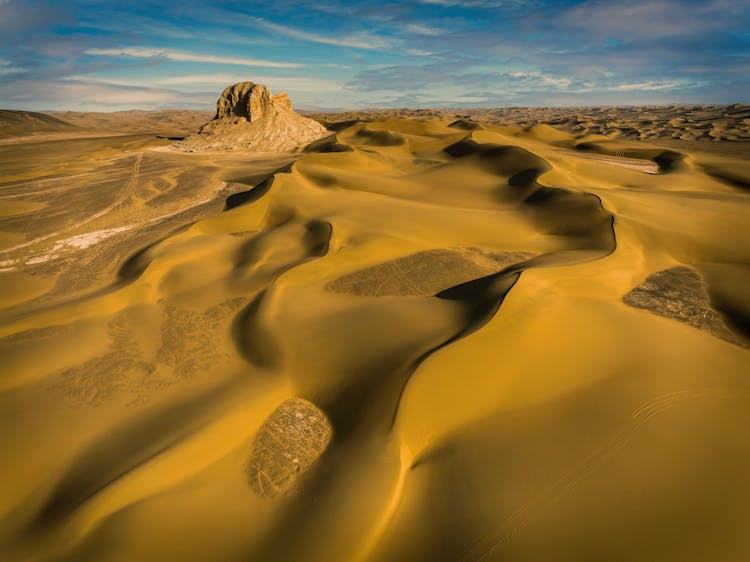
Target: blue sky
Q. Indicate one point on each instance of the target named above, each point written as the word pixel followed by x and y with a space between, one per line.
pixel 107 55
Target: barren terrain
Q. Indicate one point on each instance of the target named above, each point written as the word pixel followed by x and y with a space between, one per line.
pixel 433 335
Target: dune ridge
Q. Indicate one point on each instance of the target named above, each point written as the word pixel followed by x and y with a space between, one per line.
pixel 682 122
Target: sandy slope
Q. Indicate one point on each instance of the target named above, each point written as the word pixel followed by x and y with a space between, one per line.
pixel 413 342
pixel 177 122
pixel 16 123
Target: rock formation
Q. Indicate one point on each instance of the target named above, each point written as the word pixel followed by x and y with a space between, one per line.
pixel 248 117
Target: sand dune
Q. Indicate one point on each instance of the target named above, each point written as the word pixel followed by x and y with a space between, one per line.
pixel 415 340
pixel 683 122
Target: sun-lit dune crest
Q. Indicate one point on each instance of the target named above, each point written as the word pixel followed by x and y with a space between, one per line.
pixel 248 117
pixel 548 134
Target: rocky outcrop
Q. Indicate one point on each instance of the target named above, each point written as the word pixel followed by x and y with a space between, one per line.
pixel 248 117
pixel 246 99
pixel 282 100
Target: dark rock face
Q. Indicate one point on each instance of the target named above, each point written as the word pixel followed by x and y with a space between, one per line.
pixel 245 99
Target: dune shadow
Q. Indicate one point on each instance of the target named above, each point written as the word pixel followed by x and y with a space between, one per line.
pixel 249 196
pixel 136 264
pixel 728 177
pixel 373 137
pixel 255 343
pixel 121 451
pixel 257 191
pixel 503 160
pixel 466 125
pixel 327 145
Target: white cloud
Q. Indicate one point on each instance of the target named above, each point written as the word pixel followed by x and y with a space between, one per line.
pixel 466 99
pixel 542 79
pixel 422 30
pixel 216 82
pixel 651 86
pixel 187 56
pixel 359 41
pixel 93 96
pixel 7 67
pixel 477 3
pixel 275 83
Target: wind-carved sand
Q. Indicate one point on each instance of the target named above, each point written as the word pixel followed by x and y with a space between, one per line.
pixel 413 336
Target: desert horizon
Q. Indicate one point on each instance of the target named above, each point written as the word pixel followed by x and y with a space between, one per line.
pixel 500 312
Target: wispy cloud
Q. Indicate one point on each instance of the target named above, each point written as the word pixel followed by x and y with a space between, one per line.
pixel 12 70
pixel 275 83
pixel 652 86
pixel 420 29
pixel 480 3
pixel 439 84
pixel 299 83
pixel 542 79
pixel 100 96
pixel 359 41
pixel 7 67
pixel 186 56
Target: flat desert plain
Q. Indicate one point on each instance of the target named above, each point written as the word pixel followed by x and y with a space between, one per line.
pixel 518 335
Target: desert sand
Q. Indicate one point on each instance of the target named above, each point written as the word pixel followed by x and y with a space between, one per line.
pixel 424 337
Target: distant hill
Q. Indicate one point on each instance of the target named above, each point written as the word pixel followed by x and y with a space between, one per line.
pixel 176 121
pixel 23 123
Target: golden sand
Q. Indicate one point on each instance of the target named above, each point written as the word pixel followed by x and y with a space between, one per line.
pixel 414 342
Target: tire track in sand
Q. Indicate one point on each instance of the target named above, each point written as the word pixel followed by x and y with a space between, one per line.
pixel 126 192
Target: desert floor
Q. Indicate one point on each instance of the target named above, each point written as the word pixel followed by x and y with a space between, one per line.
pixel 417 340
